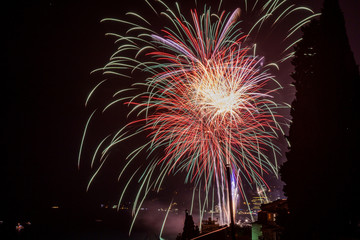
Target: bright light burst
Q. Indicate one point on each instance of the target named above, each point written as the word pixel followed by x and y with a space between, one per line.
pixel 208 100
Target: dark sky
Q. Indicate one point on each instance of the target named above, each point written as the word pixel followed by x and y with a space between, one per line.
pixel 50 49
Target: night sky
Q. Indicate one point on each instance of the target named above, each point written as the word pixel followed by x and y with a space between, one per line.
pixel 50 49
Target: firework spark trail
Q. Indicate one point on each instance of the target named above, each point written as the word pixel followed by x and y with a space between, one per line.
pixel 207 101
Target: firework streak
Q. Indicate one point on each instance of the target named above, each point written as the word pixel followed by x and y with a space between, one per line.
pixel 208 102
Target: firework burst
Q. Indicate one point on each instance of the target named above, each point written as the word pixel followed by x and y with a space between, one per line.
pixel 207 101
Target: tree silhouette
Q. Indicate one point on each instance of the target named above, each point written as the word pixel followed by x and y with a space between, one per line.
pixel 322 171
pixel 190 230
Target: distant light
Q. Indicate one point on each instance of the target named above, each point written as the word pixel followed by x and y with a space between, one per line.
pixel 55 207
pixel 19 227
